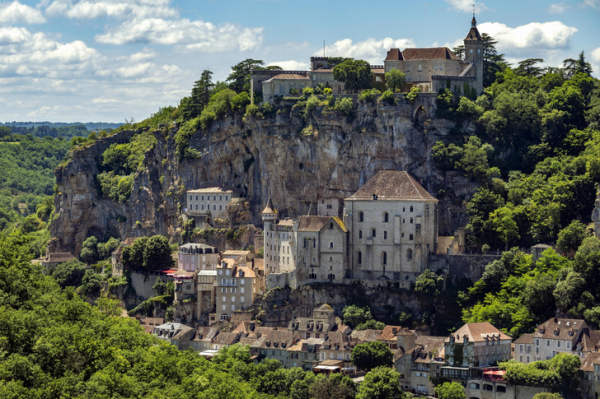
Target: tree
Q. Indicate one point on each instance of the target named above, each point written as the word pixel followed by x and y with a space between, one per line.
pixel 492 61
pixel 356 74
pixel 133 255
pixel 459 51
pixel 334 387
pixel 106 249
pixel 30 224
pixel 370 325
pixel 157 254
pixel 429 284
pixel 505 225
pixel 450 390
pixel 381 383
pixel 69 273
pixel 239 77
pixel 89 251
pixel 574 66
pixel 170 314
pixel 571 237
pixel 568 291
pixel 354 315
pixel 159 287
pixel 395 80
pixel 372 354
pixel 528 67
pixel 5 131
pixel 201 93
pixel 547 395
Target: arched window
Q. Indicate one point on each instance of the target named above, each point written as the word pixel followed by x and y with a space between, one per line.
pixel 361 216
pixel 331 258
pixel 330 245
pixel 359 233
pixel 359 257
pixel 409 254
pixel 385 235
pixel 384 258
pixel 373 233
pixel 411 208
pixel 410 237
pixel 411 220
pixel 386 217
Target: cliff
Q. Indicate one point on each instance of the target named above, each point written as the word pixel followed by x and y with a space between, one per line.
pixel 277 156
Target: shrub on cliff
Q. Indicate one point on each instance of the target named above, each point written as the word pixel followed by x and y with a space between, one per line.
pixel 148 254
pixel 344 106
pixel 388 98
pixel 369 95
pixel 115 187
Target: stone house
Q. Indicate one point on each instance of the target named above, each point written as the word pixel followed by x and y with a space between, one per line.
pixel 203 339
pixel 388 336
pixel 392 221
pixel 317 326
pixel 338 345
pixel 192 257
pixel 305 353
pixel 365 335
pixel 558 335
pixel 177 334
pixel 52 259
pixel 240 256
pixel 322 249
pixel 209 203
pixel 283 84
pixel 225 340
pixel 330 207
pixel 235 289
pixel 524 349
pixel 473 347
pixel 590 384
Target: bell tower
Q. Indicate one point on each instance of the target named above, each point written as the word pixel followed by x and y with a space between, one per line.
pixel 474 54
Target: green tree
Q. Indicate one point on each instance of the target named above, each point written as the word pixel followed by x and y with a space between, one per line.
pixel 395 80
pixel 133 255
pixel 157 254
pixel 571 237
pixel 239 77
pixel 547 395
pixel 159 287
pixel 429 284
pixel 574 66
pixel 89 250
pixel 30 224
pixel 492 61
pixel 505 225
pixel 69 273
pixel 568 291
pixel 529 67
pixel 355 74
pixel 371 324
pixel 450 390
pixel 170 314
pixel 459 51
pixel 354 315
pixel 381 383
pixel 372 354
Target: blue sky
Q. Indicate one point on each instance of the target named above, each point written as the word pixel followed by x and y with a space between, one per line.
pixel 107 60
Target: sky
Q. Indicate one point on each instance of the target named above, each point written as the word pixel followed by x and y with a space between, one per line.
pixel 108 60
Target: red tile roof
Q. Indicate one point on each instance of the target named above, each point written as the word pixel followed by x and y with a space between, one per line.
pixel 588 363
pixel 394 55
pixel 316 223
pixel 392 185
pixel 478 332
pixel 556 328
pixel 439 53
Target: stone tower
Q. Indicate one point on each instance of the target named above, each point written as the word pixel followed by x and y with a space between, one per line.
pixel 269 217
pixel 474 54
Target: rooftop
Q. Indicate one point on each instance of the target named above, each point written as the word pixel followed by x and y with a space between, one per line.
pixel 211 190
pixel 479 332
pixel 288 76
pixel 556 328
pixel 392 185
pixel 316 223
pixel 439 53
pixel 59 257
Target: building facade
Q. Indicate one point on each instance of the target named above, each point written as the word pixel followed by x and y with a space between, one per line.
pixel 212 200
pixel 192 257
pixel 280 241
pixel 392 222
pixel 235 289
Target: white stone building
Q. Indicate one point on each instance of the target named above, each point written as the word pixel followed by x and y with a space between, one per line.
pixel 211 200
pixel 555 336
pixel 192 257
pixel 280 241
pixel 236 288
pixel 392 222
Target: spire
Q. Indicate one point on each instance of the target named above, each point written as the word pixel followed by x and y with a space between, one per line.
pixel 473 21
pixel 269 208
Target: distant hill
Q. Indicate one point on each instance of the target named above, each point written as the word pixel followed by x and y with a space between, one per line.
pixel 90 126
pixel 58 129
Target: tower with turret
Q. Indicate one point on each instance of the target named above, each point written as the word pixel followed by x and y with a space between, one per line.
pixel 269 217
pixel 474 47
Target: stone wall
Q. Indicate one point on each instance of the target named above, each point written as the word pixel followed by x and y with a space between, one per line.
pixel 280 280
pixel 142 283
pixel 461 266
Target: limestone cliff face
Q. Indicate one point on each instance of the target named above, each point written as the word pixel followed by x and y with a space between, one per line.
pixel 279 156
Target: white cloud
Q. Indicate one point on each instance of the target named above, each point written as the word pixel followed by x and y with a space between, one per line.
pixel 558 8
pixel 290 65
pixel 16 12
pixel 548 35
pixel 86 9
pixel 591 3
pixel 190 35
pixel 371 50
pixel 467 5
pixel 596 55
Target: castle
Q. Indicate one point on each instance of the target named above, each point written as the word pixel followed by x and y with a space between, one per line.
pixel 430 69
pixel 388 230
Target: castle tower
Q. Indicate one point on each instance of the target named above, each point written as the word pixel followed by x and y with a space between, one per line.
pixel 269 217
pixel 474 54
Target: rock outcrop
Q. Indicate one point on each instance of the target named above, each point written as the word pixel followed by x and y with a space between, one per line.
pixel 295 160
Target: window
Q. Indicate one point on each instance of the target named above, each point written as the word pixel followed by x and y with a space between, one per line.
pixel 233 290
pixel 223 289
pixel 214 207
pixel 197 207
pixel 232 299
pixel 474 385
pixel 547 342
pixel 411 220
pixel 568 345
pixel 386 217
pixel 359 257
pixel 220 198
pixel 220 207
pixel 224 308
pixel 360 234
pixel 330 245
pixel 373 233
pixel 419 67
pixel 411 209
pixel 196 197
pixel 409 254
pixel 442 67
pixel 500 388
pixel 214 197
pixel 537 342
pixel 232 308
pixel 361 217
pixel 410 237
pixel 226 197
pixel 385 235
pixel 242 283
pixel 384 258
pixel 521 348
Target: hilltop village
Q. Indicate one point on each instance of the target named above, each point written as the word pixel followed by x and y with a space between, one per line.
pixel 305 281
